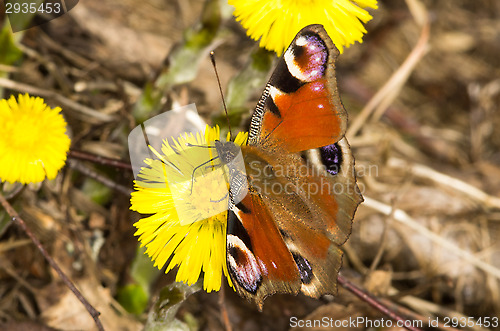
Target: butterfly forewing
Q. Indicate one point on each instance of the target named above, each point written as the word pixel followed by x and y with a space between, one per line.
pixel 300 108
pixel 258 260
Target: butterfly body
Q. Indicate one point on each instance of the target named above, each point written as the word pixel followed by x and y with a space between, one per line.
pixel 230 156
pixel 284 232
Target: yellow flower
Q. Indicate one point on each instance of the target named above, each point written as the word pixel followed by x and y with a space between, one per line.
pixel 277 22
pixel 33 140
pixel 187 192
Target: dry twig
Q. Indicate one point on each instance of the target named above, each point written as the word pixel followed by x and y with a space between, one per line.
pixel 402 217
pixel 422 171
pixel 89 114
pixel 15 217
pixel 386 95
pixel 374 302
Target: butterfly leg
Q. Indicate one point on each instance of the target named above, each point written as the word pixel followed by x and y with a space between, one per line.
pixel 197 167
pixel 216 201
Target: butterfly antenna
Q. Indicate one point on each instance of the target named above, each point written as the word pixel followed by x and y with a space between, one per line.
pixel 212 58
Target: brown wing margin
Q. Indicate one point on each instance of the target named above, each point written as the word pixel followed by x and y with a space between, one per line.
pixel 300 108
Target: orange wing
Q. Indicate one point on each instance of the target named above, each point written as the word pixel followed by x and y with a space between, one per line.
pixel 300 108
pixel 258 260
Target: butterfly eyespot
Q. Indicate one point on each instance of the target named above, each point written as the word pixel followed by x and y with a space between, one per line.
pixel 301 41
pixel 331 156
pixel 235 253
pixel 305 269
pixel 242 265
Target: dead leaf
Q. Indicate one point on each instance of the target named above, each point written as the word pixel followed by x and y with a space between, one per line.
pixel 70 314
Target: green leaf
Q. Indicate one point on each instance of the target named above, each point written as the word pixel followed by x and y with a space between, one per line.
pixel 21 20
pixel 96 191
pixel 162 315
pixel 243 86
pixel 182 62
pixel 133 298
pixel 9 52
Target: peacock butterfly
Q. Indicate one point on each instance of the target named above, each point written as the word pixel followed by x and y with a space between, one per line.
pixel 294 207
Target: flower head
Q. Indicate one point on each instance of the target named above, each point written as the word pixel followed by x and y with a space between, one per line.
pixel 33 140
pixel 187 195
pixel 277 22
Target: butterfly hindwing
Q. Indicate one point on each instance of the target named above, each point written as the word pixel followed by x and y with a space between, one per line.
pixel 311 199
